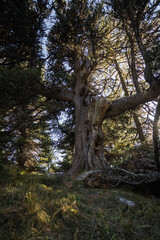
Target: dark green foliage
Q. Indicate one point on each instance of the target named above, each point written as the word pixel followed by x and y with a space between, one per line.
pixel 18 87
pixel 120 134
pixel 66 141
pixel 134 8
pixel 19 101
pixel 21 27
pixel 21 106
pixel 46 145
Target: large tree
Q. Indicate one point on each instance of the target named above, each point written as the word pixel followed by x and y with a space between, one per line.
pixel 79 45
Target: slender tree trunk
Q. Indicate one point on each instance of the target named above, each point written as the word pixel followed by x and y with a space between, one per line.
pixel 156 137
pixel 147 58
pixel 135 116
pixel 132 61
pixel 139 127
pixel 21 148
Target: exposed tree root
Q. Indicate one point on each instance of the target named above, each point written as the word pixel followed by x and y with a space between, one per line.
pixel 146 183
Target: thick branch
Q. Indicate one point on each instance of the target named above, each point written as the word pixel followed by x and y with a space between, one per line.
pixel 57 93
pixel 128 103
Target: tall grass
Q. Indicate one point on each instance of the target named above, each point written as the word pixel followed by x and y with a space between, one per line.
pixel 60 208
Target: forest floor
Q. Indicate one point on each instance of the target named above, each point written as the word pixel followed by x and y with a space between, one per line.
pixel 37 207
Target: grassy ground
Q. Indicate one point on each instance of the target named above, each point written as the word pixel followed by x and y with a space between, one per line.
pixel 61 208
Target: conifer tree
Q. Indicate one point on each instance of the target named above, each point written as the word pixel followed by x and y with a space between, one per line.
pixel 21 29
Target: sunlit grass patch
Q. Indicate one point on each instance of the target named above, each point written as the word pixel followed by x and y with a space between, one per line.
pixel 69 206
pixel 39 207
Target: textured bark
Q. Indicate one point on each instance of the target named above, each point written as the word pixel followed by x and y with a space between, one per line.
pixel 89 153
pixel 132 62
pixel 139 127
pixel 88 127
pixel 128 103
pixel 134 71
pixel 156 137
pixel 89 114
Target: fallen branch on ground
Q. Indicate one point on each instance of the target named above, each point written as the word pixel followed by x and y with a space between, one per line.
pixel 147 183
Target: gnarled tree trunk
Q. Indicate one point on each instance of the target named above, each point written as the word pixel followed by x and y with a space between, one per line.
pixel 89 115
pixel 89 153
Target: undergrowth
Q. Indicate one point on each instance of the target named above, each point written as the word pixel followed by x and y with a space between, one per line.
pixel 34 207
